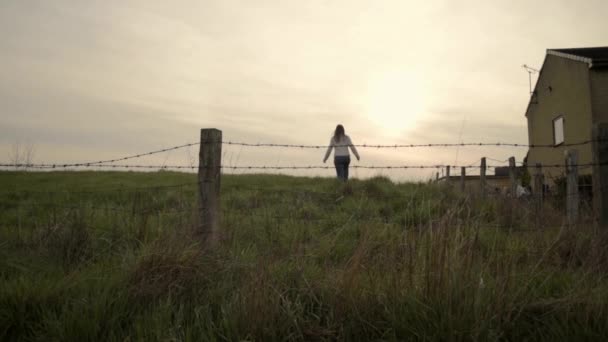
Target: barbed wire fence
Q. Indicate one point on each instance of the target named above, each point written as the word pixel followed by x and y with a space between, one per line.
pixel 110 162
pixel 210 173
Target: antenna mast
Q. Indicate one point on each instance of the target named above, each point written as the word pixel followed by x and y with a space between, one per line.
pixel 530 71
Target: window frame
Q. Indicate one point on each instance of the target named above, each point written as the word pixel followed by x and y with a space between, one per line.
pixel 559 117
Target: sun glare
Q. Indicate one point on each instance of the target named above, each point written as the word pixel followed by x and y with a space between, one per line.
pixel 396 101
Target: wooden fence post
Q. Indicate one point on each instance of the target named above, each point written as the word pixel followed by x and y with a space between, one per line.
pixel 437 176
pixel 572 197
pixel 463 175
pixel 447 175
pixel 482 177
pixel 209 176
pixel 539 186
pixel 513 177
pixel 600 173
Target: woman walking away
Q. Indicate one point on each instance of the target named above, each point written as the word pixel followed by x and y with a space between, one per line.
pixel 341 142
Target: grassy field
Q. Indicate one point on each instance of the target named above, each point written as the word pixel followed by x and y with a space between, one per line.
pixel 106 256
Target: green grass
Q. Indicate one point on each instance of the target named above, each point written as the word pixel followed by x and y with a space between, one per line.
pixel 101 256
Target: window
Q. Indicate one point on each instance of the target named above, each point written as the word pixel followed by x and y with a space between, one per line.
pixel 558 130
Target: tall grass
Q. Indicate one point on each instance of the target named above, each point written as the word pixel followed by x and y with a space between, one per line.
pixel 298 259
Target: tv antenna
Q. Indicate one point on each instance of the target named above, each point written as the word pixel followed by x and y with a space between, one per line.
pixel 530 71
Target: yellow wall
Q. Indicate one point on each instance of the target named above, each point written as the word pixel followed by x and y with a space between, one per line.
pixel 599 92
pixel 569 96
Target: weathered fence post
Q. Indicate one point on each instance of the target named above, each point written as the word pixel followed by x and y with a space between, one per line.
pixel 482 177
pixel 437 177
pixel 539 186
pixel 463 175
pixel 513 177
pixel 600 173
pixel 447 175
pixel 209 175
pixel 572 197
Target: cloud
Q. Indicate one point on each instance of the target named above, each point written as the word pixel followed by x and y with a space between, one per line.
pixel 108 78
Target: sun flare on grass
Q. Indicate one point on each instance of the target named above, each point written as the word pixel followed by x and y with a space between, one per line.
pixel 396 102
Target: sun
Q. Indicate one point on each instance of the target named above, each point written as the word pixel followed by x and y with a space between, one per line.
pixel 396 101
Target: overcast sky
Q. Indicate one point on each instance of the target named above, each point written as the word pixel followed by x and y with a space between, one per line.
pixel 88 80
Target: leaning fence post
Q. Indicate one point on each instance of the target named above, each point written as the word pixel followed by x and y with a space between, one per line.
pixel 539 187
pixel 209 176
pixel 600 173
pixel 463 175
pixel 513 177
pixel 482 177
pixel 572 186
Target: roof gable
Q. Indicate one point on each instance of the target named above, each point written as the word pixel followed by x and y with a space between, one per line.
pixel 595 57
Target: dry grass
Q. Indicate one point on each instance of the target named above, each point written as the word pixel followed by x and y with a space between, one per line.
pixel 369 261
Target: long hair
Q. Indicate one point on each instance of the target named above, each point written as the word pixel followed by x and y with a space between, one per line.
pixel 339 133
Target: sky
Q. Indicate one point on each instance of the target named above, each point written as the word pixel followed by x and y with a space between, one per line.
pixel 92 80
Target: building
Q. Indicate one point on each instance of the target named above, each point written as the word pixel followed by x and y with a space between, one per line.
pixel 570 96
pixel 494 184
pixel 498 183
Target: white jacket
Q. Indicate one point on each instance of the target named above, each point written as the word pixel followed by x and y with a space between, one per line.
pixel 341 147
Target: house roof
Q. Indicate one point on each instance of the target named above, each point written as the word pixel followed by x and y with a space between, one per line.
pixel 594 56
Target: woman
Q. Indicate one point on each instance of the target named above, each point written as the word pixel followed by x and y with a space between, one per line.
pixel 341 142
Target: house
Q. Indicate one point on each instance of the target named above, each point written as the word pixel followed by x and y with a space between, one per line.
pixel 570 96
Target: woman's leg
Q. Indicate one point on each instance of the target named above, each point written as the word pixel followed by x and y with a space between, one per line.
pixel 338 167
pixel 341 163
pixel 346 164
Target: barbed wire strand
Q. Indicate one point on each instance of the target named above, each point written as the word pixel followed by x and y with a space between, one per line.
pixel 496 144
pixel 302 146
pixel 138 155
pixel 264 167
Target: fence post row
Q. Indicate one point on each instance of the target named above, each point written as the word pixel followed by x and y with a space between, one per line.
pixel 482 177
pixel 572 186
pixel 600 173
pixel 463 175
pixel 513 177
pixel 209 176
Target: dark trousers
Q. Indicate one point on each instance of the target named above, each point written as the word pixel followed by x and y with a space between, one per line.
pixel 341 163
